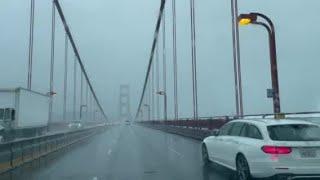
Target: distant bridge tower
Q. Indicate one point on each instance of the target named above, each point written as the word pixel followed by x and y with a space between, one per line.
pixel 124 103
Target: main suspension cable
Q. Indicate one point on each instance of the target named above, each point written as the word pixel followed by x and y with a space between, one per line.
pixel 156 33
pixel 75 49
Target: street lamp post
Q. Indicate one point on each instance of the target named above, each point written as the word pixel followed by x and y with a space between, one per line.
pixel 246 19
pixel 164 94
pixel 149 111
pixel 236 59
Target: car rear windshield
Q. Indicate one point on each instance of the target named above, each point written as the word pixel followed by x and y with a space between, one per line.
pixel 294 132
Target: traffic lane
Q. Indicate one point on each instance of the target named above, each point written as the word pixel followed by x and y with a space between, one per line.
pixel 86 161
pixel 180 157
pixel 144 154
pixel 80 161
pixel 126 152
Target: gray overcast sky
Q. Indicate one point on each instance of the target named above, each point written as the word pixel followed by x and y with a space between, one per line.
pixel 114 38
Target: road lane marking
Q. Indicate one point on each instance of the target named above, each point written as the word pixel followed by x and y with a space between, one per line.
pixel 171 149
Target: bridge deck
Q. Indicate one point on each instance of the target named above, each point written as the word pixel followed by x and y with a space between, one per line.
pixel 125 152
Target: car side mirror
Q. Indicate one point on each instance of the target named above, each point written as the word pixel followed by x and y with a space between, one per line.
pixel 215 132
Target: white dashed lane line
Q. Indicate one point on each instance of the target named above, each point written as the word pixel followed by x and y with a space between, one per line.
pixel 176 152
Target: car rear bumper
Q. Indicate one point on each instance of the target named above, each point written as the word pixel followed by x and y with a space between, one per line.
pixel 298 176
pixel 262 170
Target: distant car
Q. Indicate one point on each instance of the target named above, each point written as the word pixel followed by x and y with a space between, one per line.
pixel 75 125
pixel 128 122
pixel 263 148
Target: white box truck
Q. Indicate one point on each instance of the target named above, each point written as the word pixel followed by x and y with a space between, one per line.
pixel 22 109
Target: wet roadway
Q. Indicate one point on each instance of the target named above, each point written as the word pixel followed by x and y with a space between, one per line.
pixel 127 152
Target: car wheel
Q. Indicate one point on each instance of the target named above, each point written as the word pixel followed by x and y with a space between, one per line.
pixel 205 155
pixel 243 170
pixel 281 177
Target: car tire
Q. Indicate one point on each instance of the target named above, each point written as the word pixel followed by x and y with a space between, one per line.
pixel 281 177
pixel 205 155
pixel 243 170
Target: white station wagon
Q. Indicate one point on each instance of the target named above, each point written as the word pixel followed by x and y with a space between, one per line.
pixel 261 148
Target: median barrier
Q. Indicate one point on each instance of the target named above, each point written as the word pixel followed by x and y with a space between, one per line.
pixel 15 153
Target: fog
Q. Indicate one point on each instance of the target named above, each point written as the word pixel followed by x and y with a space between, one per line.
pixel 114 40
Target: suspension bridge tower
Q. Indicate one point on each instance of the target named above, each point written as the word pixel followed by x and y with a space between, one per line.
pixel 124 103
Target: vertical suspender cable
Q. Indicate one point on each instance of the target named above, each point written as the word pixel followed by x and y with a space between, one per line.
pixel 147 101
pixel 194 61
pixel 89 107
pixel 81 94
pixel 32 7
pixel 93 110
pixel 150 95
pixel 87 92
pixel 52 61
pixel 164 64
pixel 150 99
pixel 74 87
pixel 175 64
pixel 157 83
pixel 65 79
pixel 152 89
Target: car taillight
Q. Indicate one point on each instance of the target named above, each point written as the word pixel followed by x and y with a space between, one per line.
pixel 276 149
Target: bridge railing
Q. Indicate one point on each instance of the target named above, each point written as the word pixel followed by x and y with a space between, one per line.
pixel 208 124
pixel 197 129
pixel 201 128
pixel 18 152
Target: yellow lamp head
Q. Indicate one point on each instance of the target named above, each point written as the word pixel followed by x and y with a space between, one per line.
pixel 245 21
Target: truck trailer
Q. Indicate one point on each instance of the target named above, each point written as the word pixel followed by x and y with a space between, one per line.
pixel 23 112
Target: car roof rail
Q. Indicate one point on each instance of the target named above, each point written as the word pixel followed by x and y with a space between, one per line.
pixel 263 116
